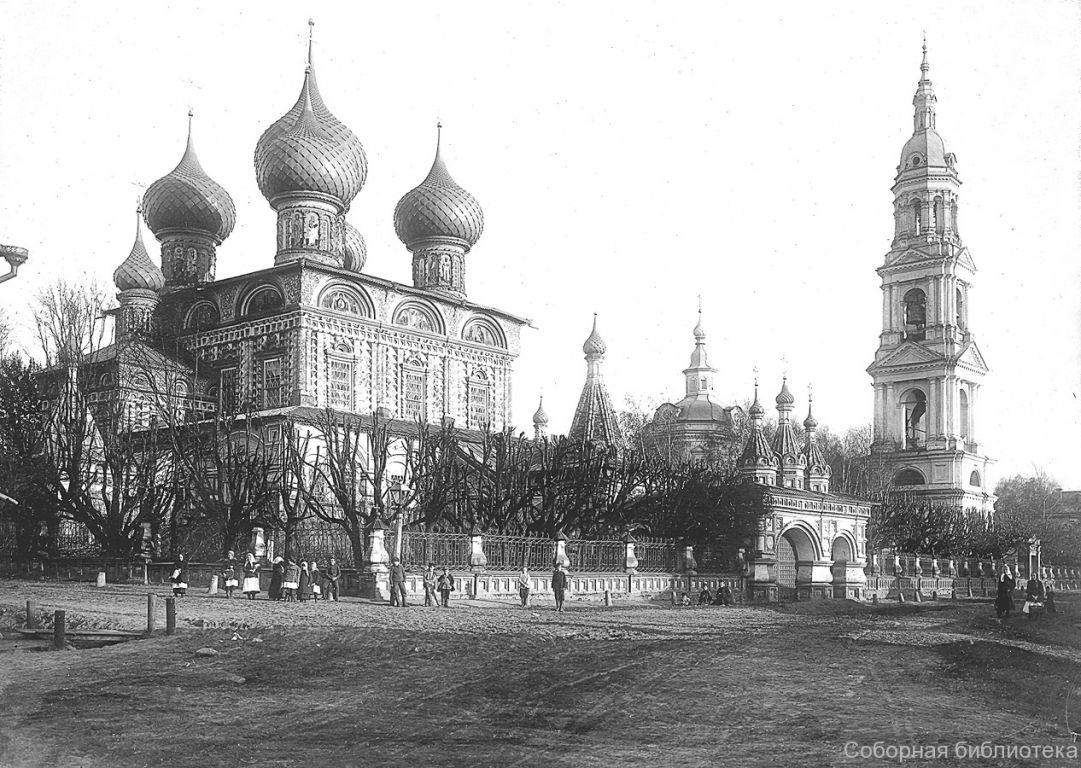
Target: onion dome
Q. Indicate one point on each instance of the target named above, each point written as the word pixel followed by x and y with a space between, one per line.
pixel 810 423
pixel 784 397
pixel 308 149
pixel 594 345
pixel 756 409
pixel 187 199
pixel 438 208
pixel 138 271
pixel 356 250
pixel 540 418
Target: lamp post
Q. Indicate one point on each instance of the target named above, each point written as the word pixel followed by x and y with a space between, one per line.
pixel 15 257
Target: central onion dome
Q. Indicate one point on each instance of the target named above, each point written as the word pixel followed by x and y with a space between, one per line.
pixel 594 345
pixel 438 208
pixel 785 396
pixel 189 200
pixel 138 271
pixel 309 150
pixel 540 418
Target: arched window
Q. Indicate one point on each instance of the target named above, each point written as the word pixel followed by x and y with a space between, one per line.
pixel 964 414
pixel 975 480
pixel 915 306
pixel 938 217
pixel 263 301
pixel 478 392
pixel 915 409
pixel 960 296
pixel 414 390
pixel 917 217
pixel 202 317
pixel 953 216
pixel 908 477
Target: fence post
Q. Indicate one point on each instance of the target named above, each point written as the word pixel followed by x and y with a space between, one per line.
pixel 101 579
pixel 59 631
pixel 630 560
pixel 559 550
pixel 31 614
pixel 477 558
pixel 170 615
pixel 151 613
pixel 378 561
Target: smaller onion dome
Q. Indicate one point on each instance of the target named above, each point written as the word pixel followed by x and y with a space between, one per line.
pixel 594 345
pixel 810 422
pixel 438 208
pixel 138 271
pixel 784 397
pixel 540 418
pixel 756 408
pixel 356 250
pixel 186 198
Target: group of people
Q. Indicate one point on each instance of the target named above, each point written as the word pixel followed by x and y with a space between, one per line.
pixel 438 586
pixel 723 596
pixel 289 581
pixel 1037 595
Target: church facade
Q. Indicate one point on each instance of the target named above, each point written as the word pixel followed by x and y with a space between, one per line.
pixel 314 328
pixel 928 370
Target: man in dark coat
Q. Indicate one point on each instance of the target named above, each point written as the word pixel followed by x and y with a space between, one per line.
pixel 559 586
pixel 397 583
pixel 1004 597
pixel 333 573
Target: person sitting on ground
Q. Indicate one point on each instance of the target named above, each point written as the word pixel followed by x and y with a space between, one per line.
pixel 315 581
pixel 397 583
pixel 685 599
pixel 446 586
pixel 179 577
pixel 291 581
pixel 1034 595
pixel 724 595
pixel 251 577
pixel 705 597
pixel 229 568
pixel 334 572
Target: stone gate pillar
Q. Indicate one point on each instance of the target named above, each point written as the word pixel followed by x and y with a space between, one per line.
pixel 374 572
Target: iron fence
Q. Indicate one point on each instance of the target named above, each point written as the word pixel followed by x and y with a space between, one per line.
pixel 587 555
pixel 450 550
pixel 657 556
pixel 510 553
pixel 318 541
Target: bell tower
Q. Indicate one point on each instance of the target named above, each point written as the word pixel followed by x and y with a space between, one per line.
pixel 928 371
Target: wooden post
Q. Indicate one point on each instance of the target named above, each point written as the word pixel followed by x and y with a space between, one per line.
pixel 58 631
pixel 170 615
pixel 607 599
pixel 151 613
pixel 31 614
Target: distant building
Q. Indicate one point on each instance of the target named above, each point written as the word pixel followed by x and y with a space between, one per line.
pixel 594 418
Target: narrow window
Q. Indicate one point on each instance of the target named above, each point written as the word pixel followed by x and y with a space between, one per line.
pixel 915 306
pixel 478 406
pixel 960 309
pixel 917 217
pixel 964 414
pixel 413 390
pixel 340 385
pixel 915 405
pixel 272 383
pixel 229 390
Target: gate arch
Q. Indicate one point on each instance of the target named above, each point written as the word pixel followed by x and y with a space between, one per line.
pixel 798 547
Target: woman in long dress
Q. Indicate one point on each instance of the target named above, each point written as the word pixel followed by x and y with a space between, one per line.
pixel 179 576
pixel 1004 596
pixel 251 577
pixel 277 576
pixel 304 588
pixel 292 581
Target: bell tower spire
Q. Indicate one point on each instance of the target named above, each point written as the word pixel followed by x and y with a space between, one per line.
pixel 927 370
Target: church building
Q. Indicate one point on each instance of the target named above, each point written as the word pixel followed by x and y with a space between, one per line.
pixel 314 328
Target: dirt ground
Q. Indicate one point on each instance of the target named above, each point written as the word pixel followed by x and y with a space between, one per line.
pixel 491 684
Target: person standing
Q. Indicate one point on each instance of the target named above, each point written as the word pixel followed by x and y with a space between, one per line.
pixel 523 585
pixel 1004 596
pixel 446 586
pixel 251 577
pixel 291 581
pixel 229 568
pixel 315 581
pixel 277 578
pixel 431 586
pixel 179 576
pixel 304 588
pixel 397 583
pixel 334 572
pixel 559 586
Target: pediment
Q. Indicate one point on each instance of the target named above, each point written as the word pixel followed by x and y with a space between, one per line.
pixel 908 354
pixel 910 256
pixel 970 357
pixel 964 258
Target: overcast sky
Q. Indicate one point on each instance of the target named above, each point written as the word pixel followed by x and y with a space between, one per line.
pixel 629 156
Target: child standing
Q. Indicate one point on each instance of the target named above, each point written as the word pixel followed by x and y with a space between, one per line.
pixel 446 586
pixel 229 574
pixel 179 576
pixel 292 581
pixel 251 577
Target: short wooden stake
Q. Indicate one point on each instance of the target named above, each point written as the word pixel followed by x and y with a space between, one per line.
pixel 59 630
pixel 970 588
pixel 151 613
pixel 900 595
pixel 917 597
pixel 170 615
pixel 675 600
pixel 607 599
pixel 101 579
pixel 31 614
